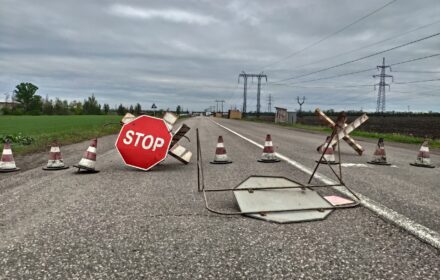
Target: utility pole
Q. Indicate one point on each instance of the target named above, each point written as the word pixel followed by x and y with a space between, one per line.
pixel 269 103
pixel 382 84
pixel 220 101
pixel 245 76
pixel 300 103
pixel 154 107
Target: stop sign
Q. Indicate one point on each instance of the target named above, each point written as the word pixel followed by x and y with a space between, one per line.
pixel 144 142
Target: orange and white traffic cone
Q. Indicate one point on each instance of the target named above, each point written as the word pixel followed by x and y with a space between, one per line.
pixel 423 158
pixel 268 152
pixel 7 163
pixel 88 161
pixel 328 152
pixel 379 156
pixel 220 153
pixel 55 161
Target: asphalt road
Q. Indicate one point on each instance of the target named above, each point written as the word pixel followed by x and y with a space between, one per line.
pixel 127 224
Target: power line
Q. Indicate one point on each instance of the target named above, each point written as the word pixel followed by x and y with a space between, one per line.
pixel 330 35
pixel 409 71
pixel 370 45
pixel 361 58
pixel 415 59
pixel 366 70
pixel 418 81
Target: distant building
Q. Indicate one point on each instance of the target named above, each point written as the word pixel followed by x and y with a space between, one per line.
pixel 9 105
pixel 281 115
pixel 234 114
pixel 291 117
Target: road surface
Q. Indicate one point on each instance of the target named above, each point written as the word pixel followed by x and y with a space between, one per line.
pixel 127 224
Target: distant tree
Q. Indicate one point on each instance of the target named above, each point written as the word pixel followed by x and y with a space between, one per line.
pixel 131 110
pixel 36 105
pixel 178 110
pixel 138 109
pixel 76 107
pixel 91 106
pixel 61 107
pixel 121 110
pixel 47 106
pixel 24 93
pixel 106 108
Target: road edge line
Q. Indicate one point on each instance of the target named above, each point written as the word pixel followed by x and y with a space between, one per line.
pixel 423 233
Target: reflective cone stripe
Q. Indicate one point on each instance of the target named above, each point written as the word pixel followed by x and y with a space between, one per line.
pixel 220 152
pixel 379 155
pixel 268 151
pixel 89 157
pixel 55 160
pixel 380 151
pixel 7 159
pixel 423 157
pixel 424 151
pixel 268 146
pixel 7 155
pixel 90 153
pixel 55 153
pixel 220 149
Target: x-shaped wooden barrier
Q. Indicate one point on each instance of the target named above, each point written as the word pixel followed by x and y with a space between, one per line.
pixel 344 133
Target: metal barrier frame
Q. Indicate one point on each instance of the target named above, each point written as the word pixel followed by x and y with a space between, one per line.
pixel 201 185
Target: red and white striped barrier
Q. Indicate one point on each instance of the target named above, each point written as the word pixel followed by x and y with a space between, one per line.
pixel 88 161
pixel 7 163
pixel 55 161
pixel 268 151
pixel 220 153
pixel 379 156
pixel 423 157
pixel 343 134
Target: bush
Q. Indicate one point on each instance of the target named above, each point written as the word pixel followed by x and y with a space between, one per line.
pixel 17 139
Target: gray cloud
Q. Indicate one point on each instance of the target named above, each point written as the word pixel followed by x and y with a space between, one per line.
pixel 191 52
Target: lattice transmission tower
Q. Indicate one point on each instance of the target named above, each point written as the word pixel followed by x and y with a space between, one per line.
pixel 382 84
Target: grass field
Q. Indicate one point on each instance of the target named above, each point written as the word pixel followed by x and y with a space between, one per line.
pixel 65 129
pixel 389 137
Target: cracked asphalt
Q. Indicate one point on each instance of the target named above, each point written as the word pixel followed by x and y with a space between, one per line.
pixel 122 223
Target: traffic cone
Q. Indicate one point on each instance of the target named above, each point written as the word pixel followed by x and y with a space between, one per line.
pixel 329 154
pixel 423 158
pixel 7 163
pixel 220 153
pixel 319 149
pixel 268 152
pixel 87 163
pixel 55 161
pixel 379 156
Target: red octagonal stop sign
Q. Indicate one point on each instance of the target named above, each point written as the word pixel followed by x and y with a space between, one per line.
pixel 144 142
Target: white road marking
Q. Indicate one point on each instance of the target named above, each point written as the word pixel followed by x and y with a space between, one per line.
pixel 347 164
pixel 421 232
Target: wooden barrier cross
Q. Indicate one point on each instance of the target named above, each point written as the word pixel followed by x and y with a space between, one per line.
pixel 344 133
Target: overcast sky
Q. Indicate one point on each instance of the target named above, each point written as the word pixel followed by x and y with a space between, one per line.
pixel 191 52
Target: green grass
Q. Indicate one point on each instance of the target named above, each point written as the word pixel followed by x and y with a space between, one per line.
pixel 389 137
pixel 65 129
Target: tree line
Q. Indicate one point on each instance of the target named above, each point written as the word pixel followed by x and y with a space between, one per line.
pixel 25 101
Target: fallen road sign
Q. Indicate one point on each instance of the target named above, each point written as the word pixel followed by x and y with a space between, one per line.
pixel 144 142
